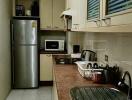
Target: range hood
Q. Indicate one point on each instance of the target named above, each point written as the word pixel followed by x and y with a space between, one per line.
pixel 67 12
pixel 67 16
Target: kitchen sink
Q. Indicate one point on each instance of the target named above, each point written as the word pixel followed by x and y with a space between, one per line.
pixel 96 93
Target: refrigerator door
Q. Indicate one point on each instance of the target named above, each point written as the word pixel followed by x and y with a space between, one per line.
pixel 24 31
pixel 25 67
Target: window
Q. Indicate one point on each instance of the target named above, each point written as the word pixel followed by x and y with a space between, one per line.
pixel 114 6
pixel 93 9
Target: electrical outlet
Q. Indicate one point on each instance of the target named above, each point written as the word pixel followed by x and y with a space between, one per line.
pixel 106 58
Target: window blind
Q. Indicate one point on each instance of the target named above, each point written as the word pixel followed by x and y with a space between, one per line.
pixel 114 6
pixel 93 9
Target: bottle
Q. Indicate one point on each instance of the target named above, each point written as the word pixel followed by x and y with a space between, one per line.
pixel 35 9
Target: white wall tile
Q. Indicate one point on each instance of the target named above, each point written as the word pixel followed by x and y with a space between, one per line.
pixel 118 47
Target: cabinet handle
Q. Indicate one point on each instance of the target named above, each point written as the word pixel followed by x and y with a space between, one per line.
pixel 76 26
pixel 107 20
pixel 56 27
pixel 98 22
pixel 48 55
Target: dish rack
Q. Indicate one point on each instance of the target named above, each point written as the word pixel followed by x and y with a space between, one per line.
pixel 84 71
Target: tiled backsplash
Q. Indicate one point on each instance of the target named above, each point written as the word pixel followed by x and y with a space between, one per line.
pixel 118 47
pixel 74 38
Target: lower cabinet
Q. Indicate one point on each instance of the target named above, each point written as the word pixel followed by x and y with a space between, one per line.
pixel 47 72
pixel 46 67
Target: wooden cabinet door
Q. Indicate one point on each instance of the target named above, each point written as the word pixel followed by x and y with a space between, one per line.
pixel 75 14
pixel 46 64
pixel 45 14
pixel 79 14
pixel 58 8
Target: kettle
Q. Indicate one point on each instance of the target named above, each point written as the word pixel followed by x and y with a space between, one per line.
pixel 88 55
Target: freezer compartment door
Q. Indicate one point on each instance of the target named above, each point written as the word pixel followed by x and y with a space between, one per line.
pixel 24 31
pixel 25 67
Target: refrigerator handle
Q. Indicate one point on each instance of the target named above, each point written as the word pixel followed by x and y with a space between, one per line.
pixel 12 37
pixel 12 51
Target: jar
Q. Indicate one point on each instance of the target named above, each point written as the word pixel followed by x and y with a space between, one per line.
pixel 97 77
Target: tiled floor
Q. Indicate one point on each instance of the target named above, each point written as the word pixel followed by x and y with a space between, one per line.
pixel 43 93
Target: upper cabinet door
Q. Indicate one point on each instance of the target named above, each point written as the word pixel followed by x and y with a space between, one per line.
pixel 58 8
pixel 46 14
pixel 93 13
pixel 117 12
pixel 75 14
pixel 78 8
pixel 46 67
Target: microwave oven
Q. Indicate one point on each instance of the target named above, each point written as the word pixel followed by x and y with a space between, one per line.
pixel 54 45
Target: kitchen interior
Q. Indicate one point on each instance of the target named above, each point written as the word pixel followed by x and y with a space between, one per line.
pixel 65 49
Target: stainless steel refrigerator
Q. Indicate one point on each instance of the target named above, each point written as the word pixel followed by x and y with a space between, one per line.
pixel 24 52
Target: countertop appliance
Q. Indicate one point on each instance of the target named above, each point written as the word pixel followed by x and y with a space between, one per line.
pixel 89 55
pixel 76 48
pixel 54 45
pixel 25 52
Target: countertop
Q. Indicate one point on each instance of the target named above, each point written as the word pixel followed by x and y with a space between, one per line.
pixel 41 51
pixel 67 77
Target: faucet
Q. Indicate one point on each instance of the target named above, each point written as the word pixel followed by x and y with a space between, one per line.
pixel 121 83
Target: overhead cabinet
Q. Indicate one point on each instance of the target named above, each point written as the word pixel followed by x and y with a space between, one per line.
pixel 50 11
pixel 117 12
pixel 93 9
pixel 78 14
pixel 58 7
pixel 93 13
pixel 45 14
pixel 108 13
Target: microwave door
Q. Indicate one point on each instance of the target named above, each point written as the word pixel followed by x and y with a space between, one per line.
pixel 52 45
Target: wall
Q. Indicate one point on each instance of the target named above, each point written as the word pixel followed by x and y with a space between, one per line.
pixel 74 38
pixel 5 66
pixel 118 47
pixel 51 35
